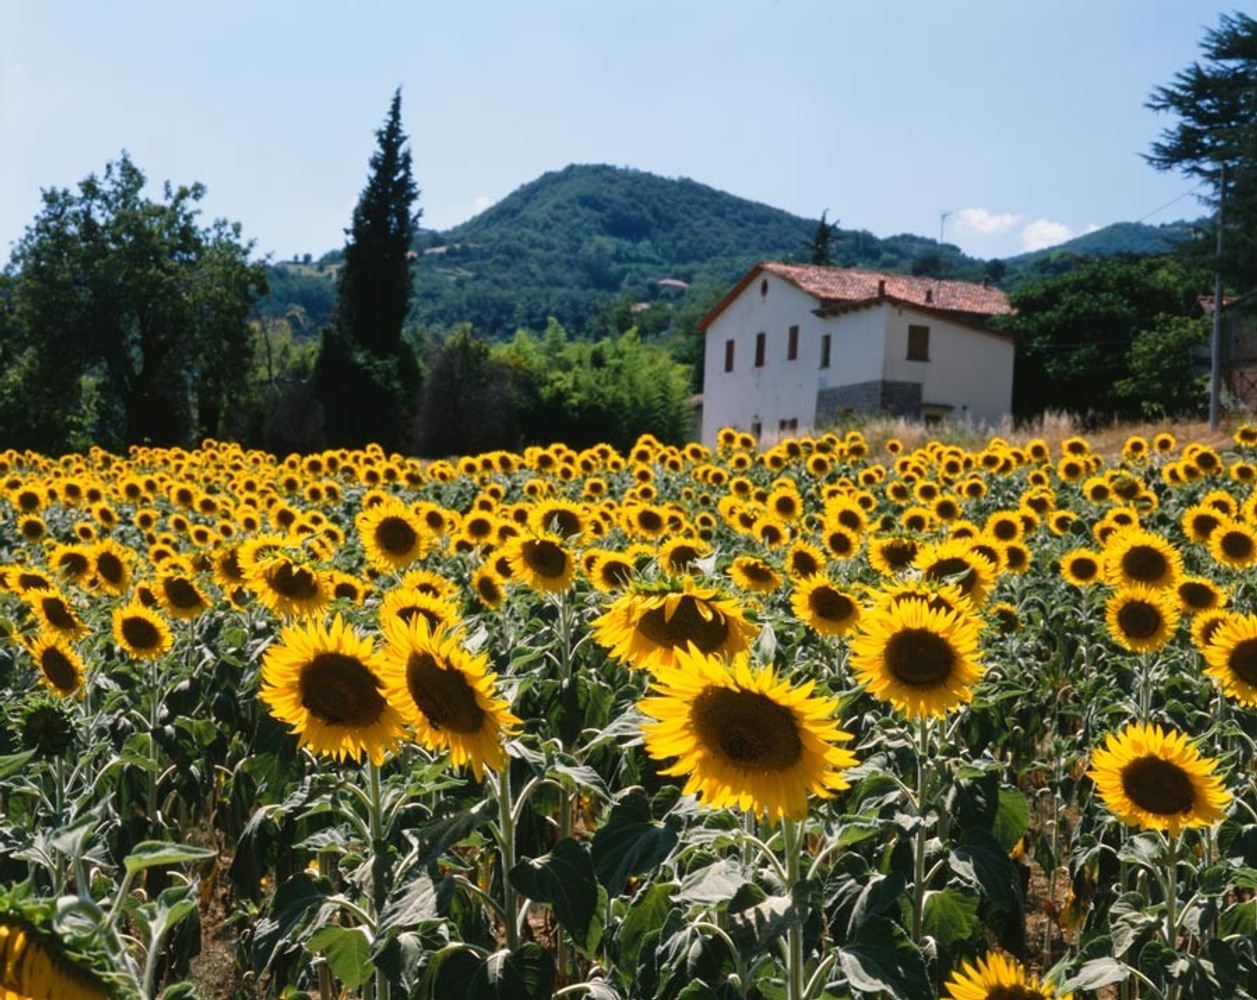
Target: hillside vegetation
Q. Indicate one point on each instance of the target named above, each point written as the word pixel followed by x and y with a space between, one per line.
pixel 575 240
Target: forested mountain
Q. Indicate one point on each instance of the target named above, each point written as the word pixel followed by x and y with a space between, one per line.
pixel 575 240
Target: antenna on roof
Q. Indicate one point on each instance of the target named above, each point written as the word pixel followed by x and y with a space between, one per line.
pixel 942 221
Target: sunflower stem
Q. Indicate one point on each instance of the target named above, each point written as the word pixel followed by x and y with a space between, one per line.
pixel 918 883
pixel 326 870
pixel 506 831
pixel 379 866
pixel 792 844
pixel 1171 892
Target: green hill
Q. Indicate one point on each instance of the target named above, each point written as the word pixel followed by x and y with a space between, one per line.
pixel 575 240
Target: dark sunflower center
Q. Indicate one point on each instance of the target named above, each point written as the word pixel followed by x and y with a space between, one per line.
pixel 757 572
pixel 341 691
pixel 918 657
pixel 1243 661
pixel 681 556
pixel 1196 595
pixel 1144 563
pixel 109 566
pixel 648 520
pixel 899 553
pixel 443 695
pixel 395 536
pixel 954 566
pixel 840 543
pixel 1138 619
pixel 747 728
pixel 565 522
pixel 544 558
pixel 488 589
pixel 616 573
pixel 140 633
pixel 804 564
pixel 1084 568
pixel 181 593
pixel 1158 786
pixel 1237 545
pixel 1012 993
pixel 830 604
pixel 294 582
pixel 58 669
pixel 849 519
pixel 687 624
pixel 73 563
pixel 229 564
pixel 346 589
pixel 1203 524
pixel 58 615
pixel 1016 556
pixel 411 611
pixel 1005 531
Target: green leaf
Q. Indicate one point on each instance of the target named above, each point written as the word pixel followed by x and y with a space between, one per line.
pixel 630 842
pixel 1095 974
pixel 1012 818
pixel 12 763
pixel 756 927
pixel 714 884
pixel 951 916
pixel 881 958
pixel 528 974
pixel 348 952
pixel 415 904
pixel 981 861
pixel 1240 919
pixel 151 853
pixel 565 879
pixel 645 915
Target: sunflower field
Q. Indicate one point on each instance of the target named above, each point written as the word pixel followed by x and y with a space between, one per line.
pixel 811 721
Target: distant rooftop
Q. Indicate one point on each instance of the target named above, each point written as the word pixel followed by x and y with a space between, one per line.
pixel 849 287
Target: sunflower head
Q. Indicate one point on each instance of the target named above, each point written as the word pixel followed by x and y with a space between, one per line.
pixel 1136 556
pixel 446 695
pixel 543 562
pixel 141 632
pixel 1142 619
pixel 1231 655
pixel 1156 779
pixel 392 537
pixel 325 682
pixel 923 660
pixel 744 738
pixel 648 625
pixel 994 977
pixel 60 667
pixel 825 607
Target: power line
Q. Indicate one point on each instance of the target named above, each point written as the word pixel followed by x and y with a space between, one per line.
pixel 1173 201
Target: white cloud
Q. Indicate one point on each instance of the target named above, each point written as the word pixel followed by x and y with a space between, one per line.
pixel 1043 233
pixel 480 203
pixel 984 222
pixel 1091 228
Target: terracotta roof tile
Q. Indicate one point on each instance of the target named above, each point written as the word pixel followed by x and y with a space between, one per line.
pixel 835 284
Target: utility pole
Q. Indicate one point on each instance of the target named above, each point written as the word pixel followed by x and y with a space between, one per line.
pixel 1215 370
pixel 942 221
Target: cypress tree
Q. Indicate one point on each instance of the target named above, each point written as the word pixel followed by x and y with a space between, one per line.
pixel 367 375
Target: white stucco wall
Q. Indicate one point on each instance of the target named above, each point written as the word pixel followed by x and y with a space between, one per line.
pixel 859 347
pixel 968 370
pixel 781 390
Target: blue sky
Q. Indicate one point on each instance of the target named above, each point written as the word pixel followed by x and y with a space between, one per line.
pixel 1024 119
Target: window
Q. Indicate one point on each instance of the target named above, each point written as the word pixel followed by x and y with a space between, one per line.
pixel 792 344
pixel 763 287
pixel 757 428
pixel 759 349
pixel 728 355
pixel 918 343
pixel 825 350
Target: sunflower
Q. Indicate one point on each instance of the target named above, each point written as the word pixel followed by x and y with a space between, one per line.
pixel 1234 545
pixel 804 559
pixel 1206 625
pixel 995 977
pixel 1082 567
pixel 939 596
pixel 488 587
pixel 179 595
pixel 612 571
pixel 1140 618
pixel 1136 556
pixel 923 660
pixel 745 738
pixel 1156 779
pixel 35 966
pixel 60 667
pixel 956 560
pixel 143 634
pixel 892 554
pixel 754 574
pixel 446 695
pixel 111 566
pixel 651 623
pixel 681 555
pixel 542 562
pixel 1198 593
pixel 325 682
pixel 392 537
pixel 824 606
pixel 1231 655
pixel 405 605
pixel 290 588
pixel 55 612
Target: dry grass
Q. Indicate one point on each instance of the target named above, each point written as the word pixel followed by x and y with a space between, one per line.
pixel 1106 439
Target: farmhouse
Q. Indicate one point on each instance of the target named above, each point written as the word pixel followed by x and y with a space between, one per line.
pixel 792 346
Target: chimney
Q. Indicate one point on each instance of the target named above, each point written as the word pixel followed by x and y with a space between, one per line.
pixel 929 295
pixel 881 288
pixel 986 281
